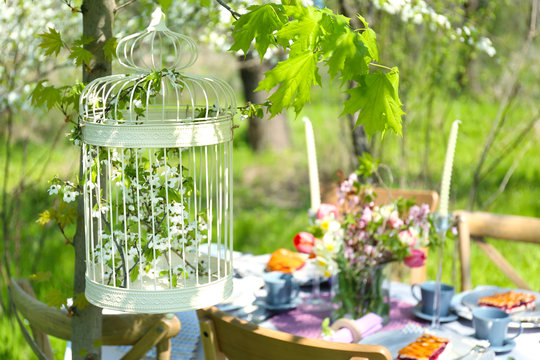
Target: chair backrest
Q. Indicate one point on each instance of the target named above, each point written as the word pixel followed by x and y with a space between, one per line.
pixel 226 336
pixel 480 225
pixel 142 331
pixel 384 196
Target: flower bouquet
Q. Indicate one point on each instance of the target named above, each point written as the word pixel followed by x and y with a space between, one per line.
pixel 357 239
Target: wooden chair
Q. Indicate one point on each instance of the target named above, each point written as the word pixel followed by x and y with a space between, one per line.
pixel 142 331
pixel 226 336
pixel 480 225
pixel 384 196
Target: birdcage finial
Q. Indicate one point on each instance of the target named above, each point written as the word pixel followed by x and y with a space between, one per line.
pixel 158 21
pixel 157 48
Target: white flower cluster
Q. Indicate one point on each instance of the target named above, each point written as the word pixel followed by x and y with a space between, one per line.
pixel 419 12
pixel 68 190
pixel 327 247
pixel 148 220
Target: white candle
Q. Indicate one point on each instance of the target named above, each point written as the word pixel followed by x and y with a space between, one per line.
pixel 312 163
pixel 447 170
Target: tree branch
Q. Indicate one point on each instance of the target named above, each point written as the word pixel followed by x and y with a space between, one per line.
pixel 127 3
pixel 234 14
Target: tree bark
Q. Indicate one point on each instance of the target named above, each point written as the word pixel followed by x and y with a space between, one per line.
pixel 263 133
pixel 98 18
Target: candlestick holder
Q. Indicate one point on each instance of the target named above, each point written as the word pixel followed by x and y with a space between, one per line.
pixel 442 225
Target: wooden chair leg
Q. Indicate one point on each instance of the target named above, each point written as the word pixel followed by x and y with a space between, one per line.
pixel 163 349
pixel 155 335
pixel 209 341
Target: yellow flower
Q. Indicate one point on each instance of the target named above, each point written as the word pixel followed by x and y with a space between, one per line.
pixel 325 225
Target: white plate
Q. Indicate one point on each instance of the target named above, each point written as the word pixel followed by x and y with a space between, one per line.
pixel 464 303
pixel 394 340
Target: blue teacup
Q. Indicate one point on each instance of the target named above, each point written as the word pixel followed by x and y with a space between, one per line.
pixel 281 289
pixel 427 297
pixel 491 324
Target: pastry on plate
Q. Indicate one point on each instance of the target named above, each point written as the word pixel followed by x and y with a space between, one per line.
pixel 426 347
pixel 509 301
pixel 285 260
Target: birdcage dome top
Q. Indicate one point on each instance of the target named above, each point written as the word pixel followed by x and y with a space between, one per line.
pixel 156 92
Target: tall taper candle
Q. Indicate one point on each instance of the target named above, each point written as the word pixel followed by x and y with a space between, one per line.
pixel 447 170
pixel 312 163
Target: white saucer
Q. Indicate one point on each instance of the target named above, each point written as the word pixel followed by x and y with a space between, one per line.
pixel 507 345
pixel 418 312
pixel 293 304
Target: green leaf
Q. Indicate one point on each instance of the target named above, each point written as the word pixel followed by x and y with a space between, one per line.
pixel 134 274
pixel 347 56
pixel 304 30
pixel 109 49
pixel 294 77
pixel 56 298
pixel 45 95
pixel 51 42
pixel 44 218
pixel 84 40
pixel 377 97
pixel 369 38
pixel 259 24
pixel 81 55
pixel 80 301
pixel 42 276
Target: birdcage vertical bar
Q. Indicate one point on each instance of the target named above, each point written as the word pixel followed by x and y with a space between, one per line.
pixel 139 240
pixel 153 217
pixel 167 212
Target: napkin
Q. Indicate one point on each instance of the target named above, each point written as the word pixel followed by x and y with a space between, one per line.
pixel 349 331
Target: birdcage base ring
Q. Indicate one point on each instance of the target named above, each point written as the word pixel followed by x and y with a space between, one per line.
pixel 159 301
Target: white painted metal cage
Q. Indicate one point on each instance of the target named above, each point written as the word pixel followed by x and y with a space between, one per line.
pixel 157 164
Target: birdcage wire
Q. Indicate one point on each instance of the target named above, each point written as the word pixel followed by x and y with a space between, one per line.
pixel 157 168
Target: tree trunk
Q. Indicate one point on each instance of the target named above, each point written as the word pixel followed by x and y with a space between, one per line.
pixel 263 133
pixel 98 18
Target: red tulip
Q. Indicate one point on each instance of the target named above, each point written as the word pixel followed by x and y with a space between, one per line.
pixel 326 210
pixel 304 242
pixel 416 259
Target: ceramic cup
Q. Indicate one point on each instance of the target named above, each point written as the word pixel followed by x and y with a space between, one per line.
pixel 280 288
pixel 427 296
pixel 491 324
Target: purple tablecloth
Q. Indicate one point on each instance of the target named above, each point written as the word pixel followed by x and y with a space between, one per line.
pixel 303 322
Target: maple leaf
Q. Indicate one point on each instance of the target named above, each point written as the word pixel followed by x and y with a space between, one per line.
pixel 377 99
pixel 294 77
pixel 80 55
pixel 51 42
pixel 45 95
pixel 42 276
pixel 56 298
pixel 259 24
pixel 304 30
pixel 347 55
pixel 109 49
pixel 80 302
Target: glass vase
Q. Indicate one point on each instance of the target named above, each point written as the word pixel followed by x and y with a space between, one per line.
pixel 362 292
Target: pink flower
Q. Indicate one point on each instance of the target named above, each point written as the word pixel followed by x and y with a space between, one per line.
pixel 326 210
pixel 416 259
pixel 304 242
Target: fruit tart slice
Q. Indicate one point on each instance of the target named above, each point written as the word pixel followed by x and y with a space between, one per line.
pixel 426 347
pixel 509 301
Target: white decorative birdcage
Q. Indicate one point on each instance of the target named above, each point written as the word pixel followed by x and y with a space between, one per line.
pixel 157 168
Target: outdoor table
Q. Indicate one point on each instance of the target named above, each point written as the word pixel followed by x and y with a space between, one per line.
pixel 308 324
